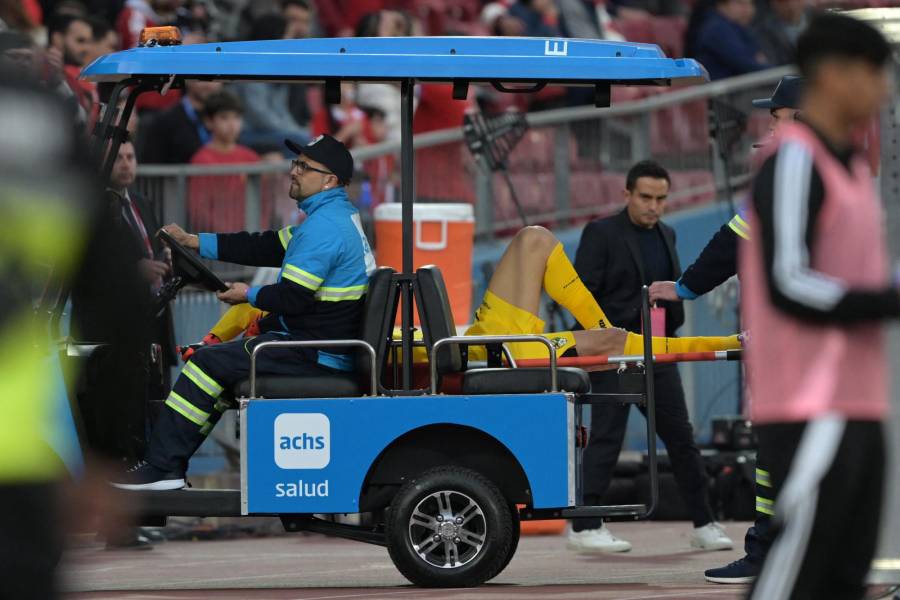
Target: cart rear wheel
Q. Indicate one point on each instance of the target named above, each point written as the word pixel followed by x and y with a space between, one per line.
pixel 514 545
pixel 450 527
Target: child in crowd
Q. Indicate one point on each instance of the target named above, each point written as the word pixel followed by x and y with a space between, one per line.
pixel 216 202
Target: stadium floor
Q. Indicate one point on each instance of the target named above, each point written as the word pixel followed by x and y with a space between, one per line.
pixel 312 567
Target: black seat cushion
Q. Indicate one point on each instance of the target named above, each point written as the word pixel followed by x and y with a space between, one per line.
pixel 318 386
pixel 524 381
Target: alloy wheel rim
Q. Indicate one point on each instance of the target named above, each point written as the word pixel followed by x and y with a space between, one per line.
pixel 447 529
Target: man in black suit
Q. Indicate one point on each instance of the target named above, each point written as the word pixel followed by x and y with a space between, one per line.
pixel 117 418
pixel 174 135
pixel 139 214
pixel 615 258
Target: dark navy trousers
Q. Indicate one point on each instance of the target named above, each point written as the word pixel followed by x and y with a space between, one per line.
pixel 202 393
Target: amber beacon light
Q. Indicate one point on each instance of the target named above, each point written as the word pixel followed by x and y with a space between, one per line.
pixel 160 36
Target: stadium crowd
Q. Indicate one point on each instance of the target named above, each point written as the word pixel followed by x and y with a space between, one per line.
pixel 58 38
pixel 207 123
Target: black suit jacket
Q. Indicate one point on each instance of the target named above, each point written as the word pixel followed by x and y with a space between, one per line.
pixel 609 262
pixel 163 329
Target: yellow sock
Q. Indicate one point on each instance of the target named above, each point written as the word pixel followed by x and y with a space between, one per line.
pixel 565 287
pixel 634 344
pixel 235 320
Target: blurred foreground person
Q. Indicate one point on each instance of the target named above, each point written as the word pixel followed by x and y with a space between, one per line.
pixel 816 291
pixel 52 236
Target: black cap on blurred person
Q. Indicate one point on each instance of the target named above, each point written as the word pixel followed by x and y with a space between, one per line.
pixel 786 95
pixel 328 151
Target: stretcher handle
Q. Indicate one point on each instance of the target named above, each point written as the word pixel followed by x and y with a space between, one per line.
pixel 373 375
pixel 478 340
pixel 605 359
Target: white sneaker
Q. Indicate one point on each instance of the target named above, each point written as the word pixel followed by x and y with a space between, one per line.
pixel 594 541
pixel 711 537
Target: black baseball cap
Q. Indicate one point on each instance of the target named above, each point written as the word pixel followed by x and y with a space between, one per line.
pixel 328 151
pixel 786 95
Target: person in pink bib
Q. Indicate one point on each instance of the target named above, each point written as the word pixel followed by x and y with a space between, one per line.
pixel 816 293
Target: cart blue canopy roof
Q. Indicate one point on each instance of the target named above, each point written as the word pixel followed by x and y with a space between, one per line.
pixel 440 59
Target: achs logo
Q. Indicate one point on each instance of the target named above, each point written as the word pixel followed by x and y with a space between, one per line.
pixel 302 441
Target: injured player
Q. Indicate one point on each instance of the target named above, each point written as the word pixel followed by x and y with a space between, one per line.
pixel 533 261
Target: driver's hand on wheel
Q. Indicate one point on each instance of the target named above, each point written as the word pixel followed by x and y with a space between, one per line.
pixel 235 294
pixel 181 236
pixel 663 290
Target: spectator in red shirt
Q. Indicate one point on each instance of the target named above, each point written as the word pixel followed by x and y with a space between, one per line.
pixel 104 40
pixel 70 37
pixel 216 202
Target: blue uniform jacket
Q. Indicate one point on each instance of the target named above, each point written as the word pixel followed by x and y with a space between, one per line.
pixel 325 266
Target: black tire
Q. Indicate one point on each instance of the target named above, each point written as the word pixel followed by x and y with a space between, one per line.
pixel 514 545
pixel 463 532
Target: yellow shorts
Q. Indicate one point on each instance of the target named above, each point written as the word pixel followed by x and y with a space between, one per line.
pixel 496 316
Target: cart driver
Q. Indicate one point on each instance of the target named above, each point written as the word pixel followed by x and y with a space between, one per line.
pixel 325 267
pixel 533 262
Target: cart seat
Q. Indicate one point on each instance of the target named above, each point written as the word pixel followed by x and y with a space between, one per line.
pixel 376 328
pixel 438 324
pixel 526 380
pixel 309 386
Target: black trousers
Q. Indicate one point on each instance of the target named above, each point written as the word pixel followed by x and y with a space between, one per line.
pixel 828 471
pixel 196 402
pixel 761 534
pixel 112 399
pixel 31 541
pixel 608 423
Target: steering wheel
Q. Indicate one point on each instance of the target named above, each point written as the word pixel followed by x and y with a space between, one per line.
pixel 187 266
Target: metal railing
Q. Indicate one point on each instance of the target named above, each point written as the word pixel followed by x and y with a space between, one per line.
pixel 569 167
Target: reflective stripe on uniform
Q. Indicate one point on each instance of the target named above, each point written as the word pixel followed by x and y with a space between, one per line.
pixel 765 506
pixel 301 277
pixel 740 227
pixel 221 406
pixel 186 409
pixel 284 235
pixel 202 380
pixel 207 427
pixel 333 294
pixel 762 478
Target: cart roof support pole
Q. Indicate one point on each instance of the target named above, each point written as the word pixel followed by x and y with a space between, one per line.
pixel 407 196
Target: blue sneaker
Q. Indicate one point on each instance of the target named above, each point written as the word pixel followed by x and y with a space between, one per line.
pixel 740 571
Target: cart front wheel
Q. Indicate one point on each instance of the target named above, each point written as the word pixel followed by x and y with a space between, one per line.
pixel 449 527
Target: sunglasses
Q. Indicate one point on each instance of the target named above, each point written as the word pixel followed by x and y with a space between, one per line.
pixel 304 166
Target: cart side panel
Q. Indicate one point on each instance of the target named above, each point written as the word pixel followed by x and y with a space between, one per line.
pixel 312 456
